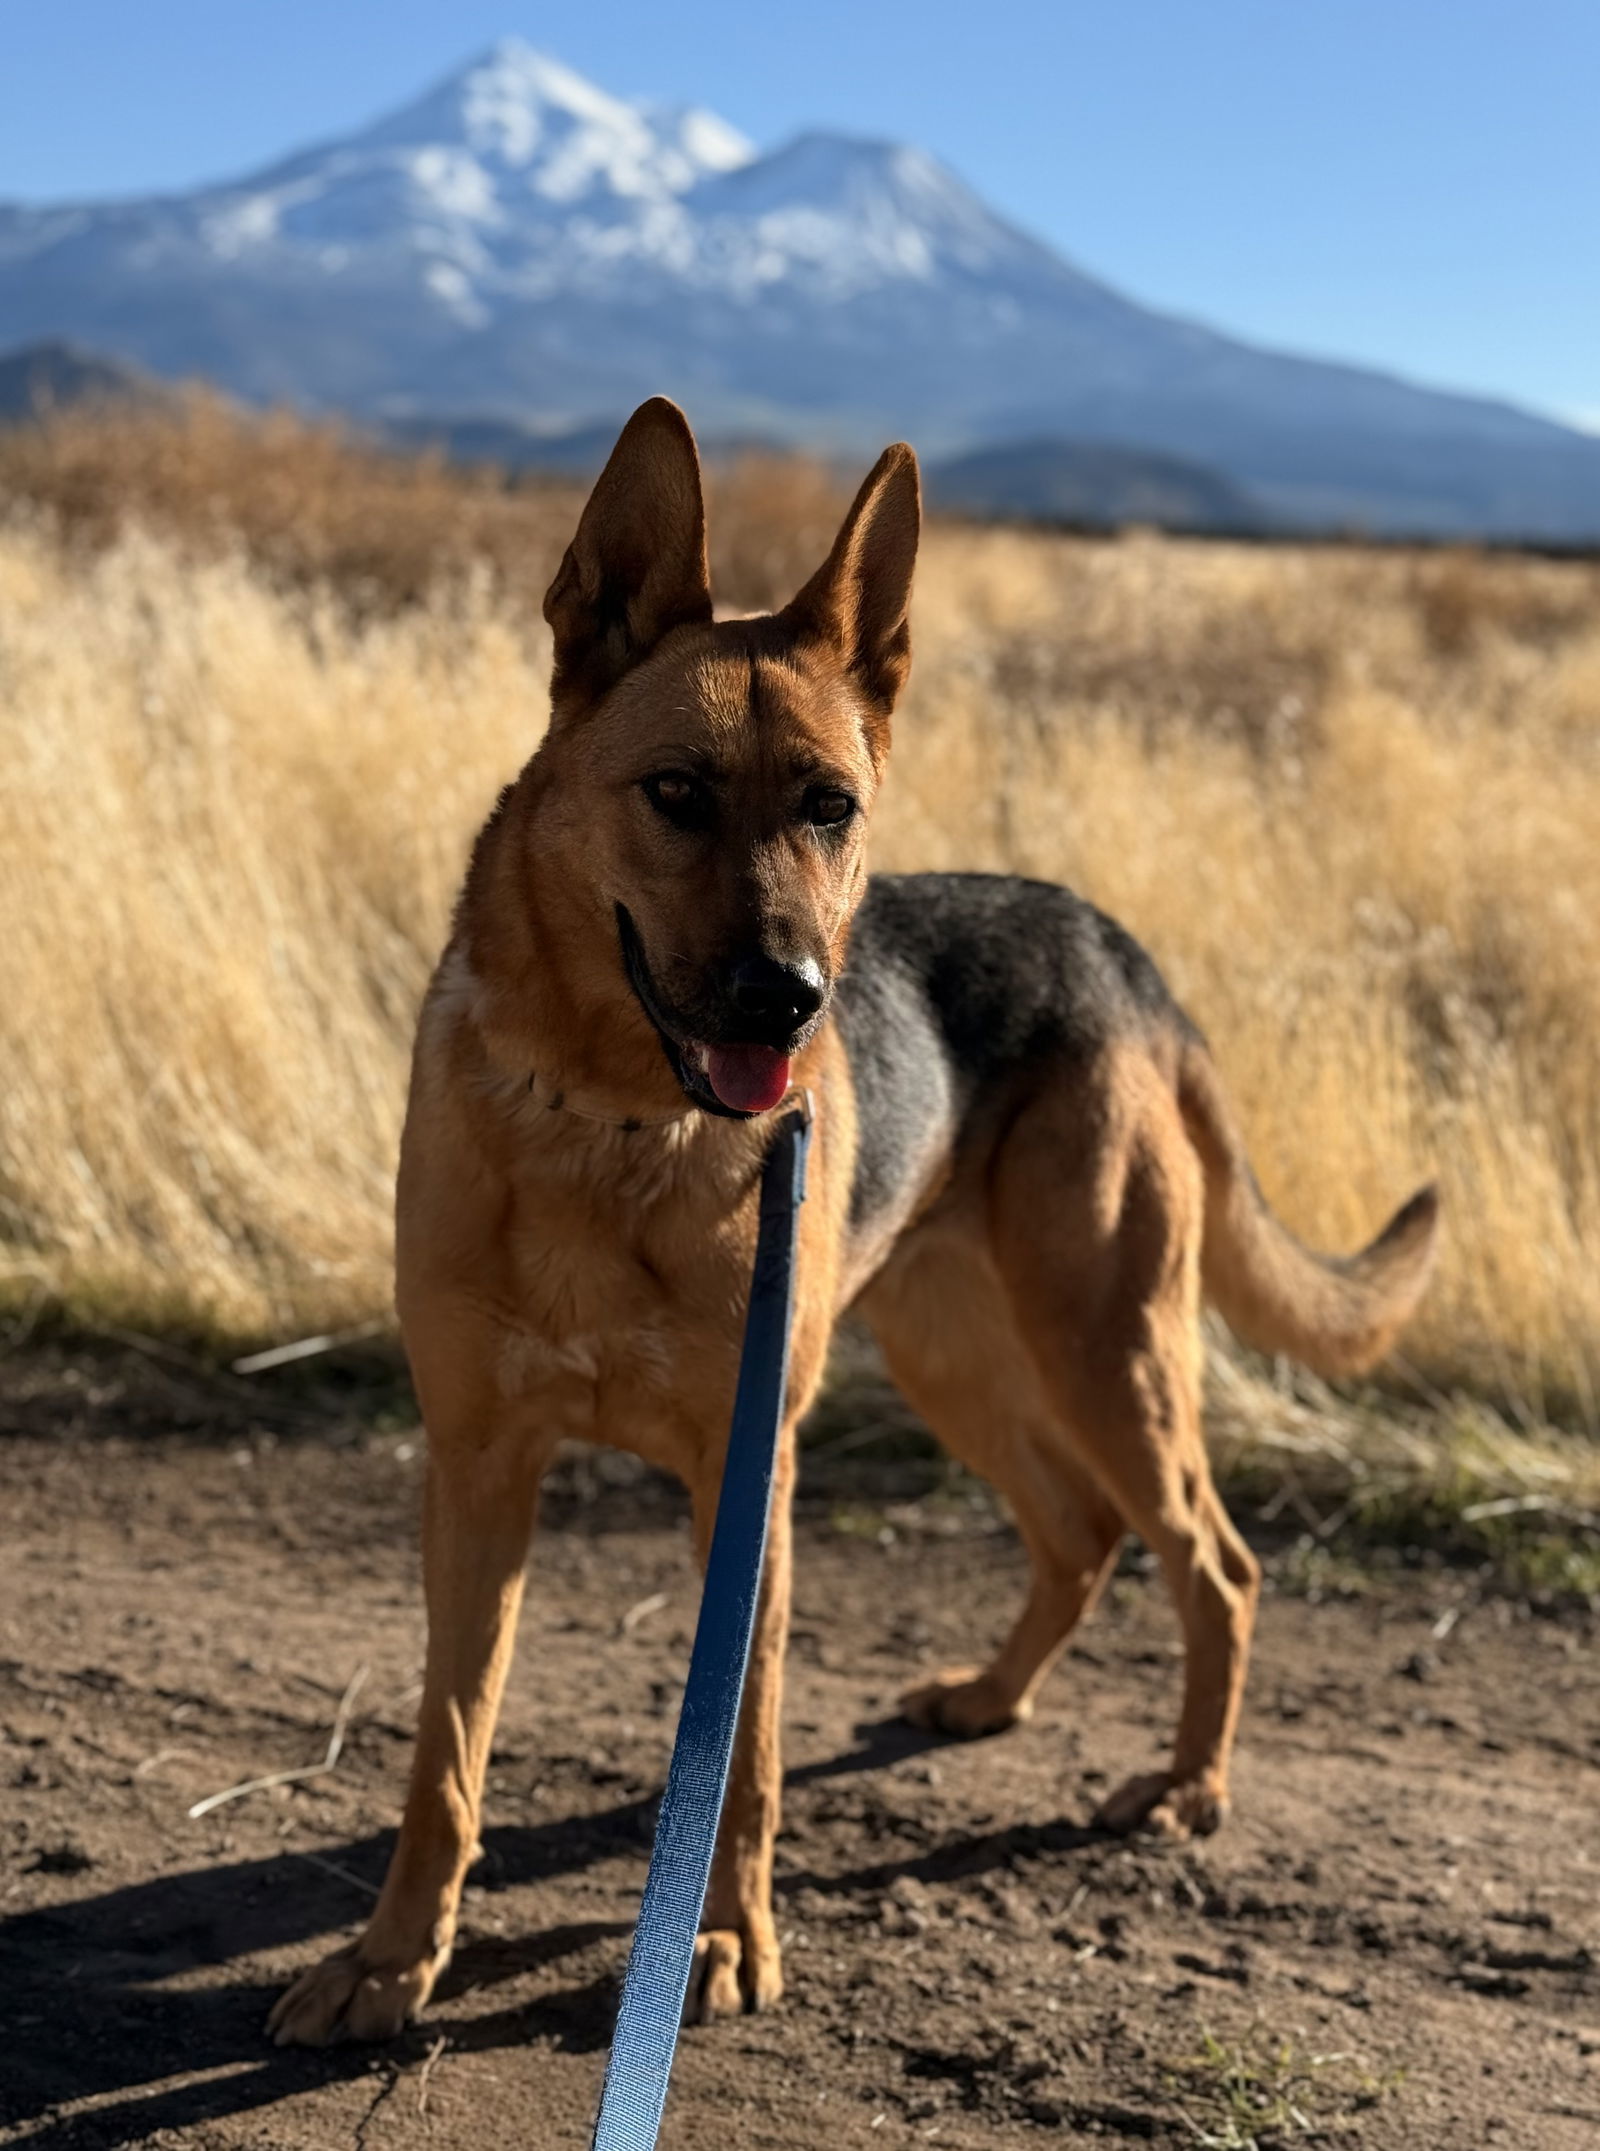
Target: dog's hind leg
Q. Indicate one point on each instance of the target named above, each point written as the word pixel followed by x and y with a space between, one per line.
pixel 485 1461
pixel 1095 1224
pixel 948 1335
pixel 738 1964
pixel 1072 1536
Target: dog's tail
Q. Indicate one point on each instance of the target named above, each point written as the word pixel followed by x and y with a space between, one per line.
pixel 1336 1316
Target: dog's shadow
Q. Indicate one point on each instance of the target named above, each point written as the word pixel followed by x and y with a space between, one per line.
pixel 883 1742
pixel 98 2004
pixel 880 1744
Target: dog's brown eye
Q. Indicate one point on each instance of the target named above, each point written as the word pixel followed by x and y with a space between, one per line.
pixel 681 798
pixel 827 808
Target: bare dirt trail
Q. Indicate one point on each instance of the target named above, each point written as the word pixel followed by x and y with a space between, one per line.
pixel 1408 1899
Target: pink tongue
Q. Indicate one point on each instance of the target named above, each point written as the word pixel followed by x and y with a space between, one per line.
pixel 750 1079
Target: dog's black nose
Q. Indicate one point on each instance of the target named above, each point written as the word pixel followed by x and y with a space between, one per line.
pixel 782 995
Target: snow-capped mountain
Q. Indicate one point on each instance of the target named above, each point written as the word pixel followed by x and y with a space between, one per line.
pixel 518 244
pixel 498 185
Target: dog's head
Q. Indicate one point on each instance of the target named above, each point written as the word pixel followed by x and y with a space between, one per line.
pixel 706 785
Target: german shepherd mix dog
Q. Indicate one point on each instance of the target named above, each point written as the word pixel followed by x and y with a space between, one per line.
pixel 1024 1174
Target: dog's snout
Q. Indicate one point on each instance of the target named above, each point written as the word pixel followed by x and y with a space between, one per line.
pixel 777 995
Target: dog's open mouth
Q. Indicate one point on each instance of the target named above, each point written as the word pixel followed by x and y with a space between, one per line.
pixel 733 1080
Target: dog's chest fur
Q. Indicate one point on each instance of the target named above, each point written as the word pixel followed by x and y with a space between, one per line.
pixel 597 1276
pixel 629 1256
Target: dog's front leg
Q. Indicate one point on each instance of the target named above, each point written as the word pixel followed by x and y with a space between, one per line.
pixel 737 1962
pixel 478 1518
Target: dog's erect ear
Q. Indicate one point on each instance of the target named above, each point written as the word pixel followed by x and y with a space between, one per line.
pixel 637 567
pixel 859 599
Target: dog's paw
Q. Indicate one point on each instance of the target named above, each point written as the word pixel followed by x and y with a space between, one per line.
pixel 347 1996
pixel 735 1969
pixel 962 1702
pixel 1163 1806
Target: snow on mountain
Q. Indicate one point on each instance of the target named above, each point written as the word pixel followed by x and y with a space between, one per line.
pixel 526 133
pixel 841 215
pixel 517 178
pixel 517 244
pixel 507 176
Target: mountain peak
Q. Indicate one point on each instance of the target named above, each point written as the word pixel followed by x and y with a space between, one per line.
pixel 517 111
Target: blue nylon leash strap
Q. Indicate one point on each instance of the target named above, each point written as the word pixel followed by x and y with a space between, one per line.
pixel 662 1956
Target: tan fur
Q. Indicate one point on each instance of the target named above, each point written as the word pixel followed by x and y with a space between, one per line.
pixel 563 1276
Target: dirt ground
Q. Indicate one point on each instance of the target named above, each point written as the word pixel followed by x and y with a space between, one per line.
pixel 1393 1944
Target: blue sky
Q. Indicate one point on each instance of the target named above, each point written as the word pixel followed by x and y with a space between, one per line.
pixel 1412 183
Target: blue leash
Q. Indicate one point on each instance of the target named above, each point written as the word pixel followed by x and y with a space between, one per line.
pixel 662 1956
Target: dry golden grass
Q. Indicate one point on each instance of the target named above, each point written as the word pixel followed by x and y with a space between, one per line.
pixel 316 507
pixel 1349 799
pixel 309 505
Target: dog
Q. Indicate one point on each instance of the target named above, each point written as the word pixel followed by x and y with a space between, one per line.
pixel 1024 1174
